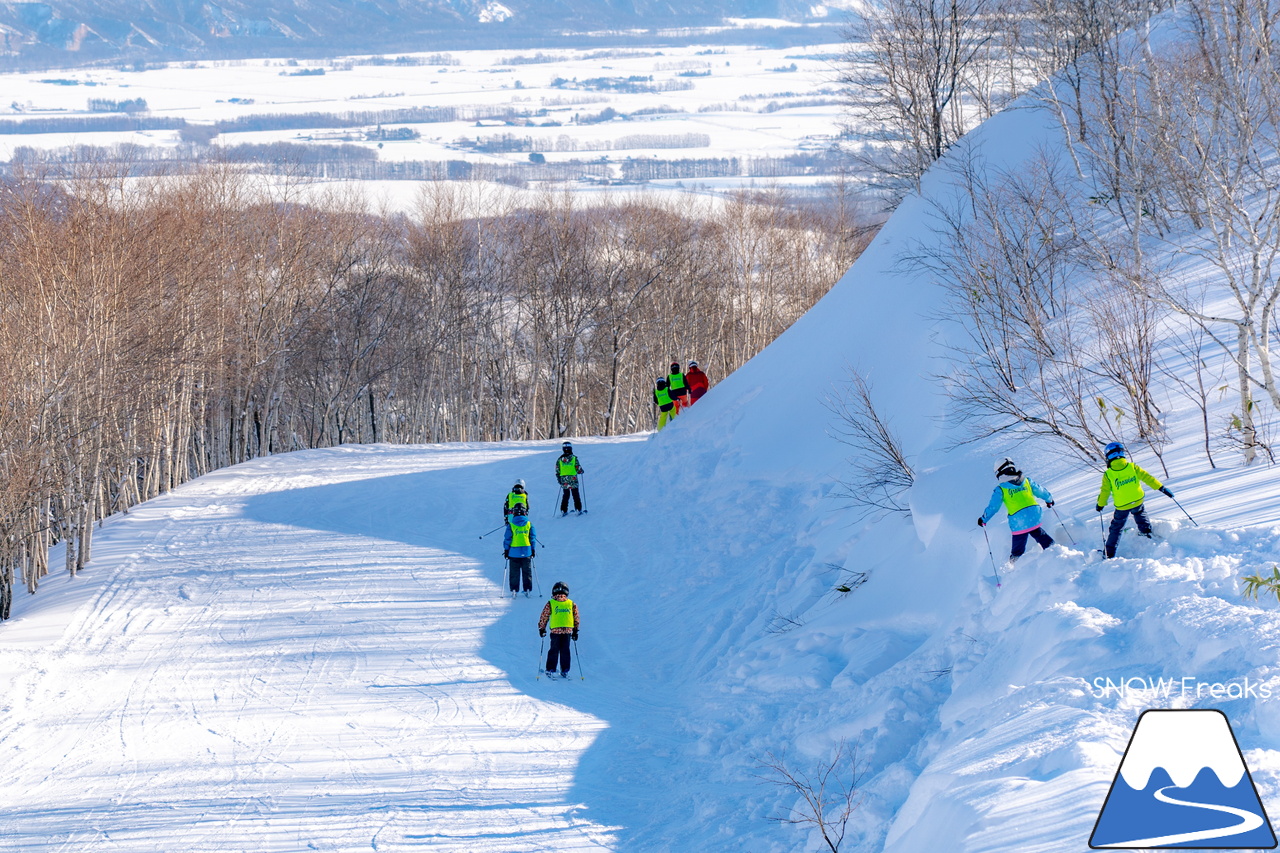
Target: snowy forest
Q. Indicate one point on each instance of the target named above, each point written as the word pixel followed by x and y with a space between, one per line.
pixel 151 334
pixel 1069 322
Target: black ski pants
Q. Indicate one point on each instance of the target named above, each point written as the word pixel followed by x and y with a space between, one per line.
pixel 1020 541
pixel 564 501
pixel 520 569
pixel 558 656
pixel 1118 520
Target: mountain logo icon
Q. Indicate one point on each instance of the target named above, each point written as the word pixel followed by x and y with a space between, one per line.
pixel 1183 784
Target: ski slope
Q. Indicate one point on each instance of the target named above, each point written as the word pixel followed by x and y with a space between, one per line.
pixel 313 651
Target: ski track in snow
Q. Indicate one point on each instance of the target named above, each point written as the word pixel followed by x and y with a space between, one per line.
pixel 241 684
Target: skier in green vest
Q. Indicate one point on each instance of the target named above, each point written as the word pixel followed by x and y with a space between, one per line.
pixel 1122 484
pixel 559 614
pixel 677 386
pixel 518 548
pixel 666 405
pixel 1017 493
pixel 567 470
pixel 516 499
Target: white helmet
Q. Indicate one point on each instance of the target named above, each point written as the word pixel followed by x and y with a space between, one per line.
pixel 520 483
pixel 1007 466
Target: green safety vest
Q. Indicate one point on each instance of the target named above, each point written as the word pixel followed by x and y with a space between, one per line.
pixel 561 614
pixel 1126 488
pixel 568 466
pixel 675 382
pixel 1019 498
pixel 520 534
pixel 663 396
pixel 515 499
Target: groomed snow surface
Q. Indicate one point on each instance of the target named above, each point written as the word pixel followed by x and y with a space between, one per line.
pixel 314 651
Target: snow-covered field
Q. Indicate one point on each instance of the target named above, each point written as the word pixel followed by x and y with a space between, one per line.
pixel 738 101
pixel 313 652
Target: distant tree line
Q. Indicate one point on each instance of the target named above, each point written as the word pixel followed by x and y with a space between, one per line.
pixel 90 124
pixel 634 84
pixel 153 331
pixel 266 121
pixel 108 105
pixel 510 142
pixel 361 163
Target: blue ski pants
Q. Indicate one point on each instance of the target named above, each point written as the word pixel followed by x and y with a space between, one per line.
pixel 1118 520
pixel 1020 541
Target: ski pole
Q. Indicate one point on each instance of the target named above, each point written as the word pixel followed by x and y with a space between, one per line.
pixel 533 567
pixel 991 555
pixel 1070 538
pixel 582 676
pixel 506 580
pixel 582 491
pixel 494 530
pixel 541 663
pixel 1103 531
pixel 1184 512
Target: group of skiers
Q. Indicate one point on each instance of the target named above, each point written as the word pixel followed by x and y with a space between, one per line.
pixel 1122 485
pixel 519 547
pixel 678 389
pixel 1018 494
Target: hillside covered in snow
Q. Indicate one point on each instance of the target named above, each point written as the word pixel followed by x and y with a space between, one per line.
pixel 314 652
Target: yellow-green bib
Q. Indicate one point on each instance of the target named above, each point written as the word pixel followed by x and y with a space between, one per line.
pixel 1019 498
pixel 1126 488
pixel 561 613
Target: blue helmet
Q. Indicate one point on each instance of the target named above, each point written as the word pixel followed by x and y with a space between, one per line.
pixel 1114 450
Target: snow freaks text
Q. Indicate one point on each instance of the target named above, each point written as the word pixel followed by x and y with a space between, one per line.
pixel 1188 686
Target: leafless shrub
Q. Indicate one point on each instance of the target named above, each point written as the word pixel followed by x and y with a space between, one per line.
pixel 1197 385
pixel 828 795
pixel 782 623
pixel 850 579
pixel 882 472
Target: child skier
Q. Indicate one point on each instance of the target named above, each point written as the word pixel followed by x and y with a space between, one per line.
pixel 517 499
pixel 676 386
pixel 1122 484
pixel 561 615
pixel 518 549
pixel 1017 494
pixel 567 470
pixel 663 400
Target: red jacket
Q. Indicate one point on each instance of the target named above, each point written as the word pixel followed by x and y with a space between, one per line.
pixel 697 382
